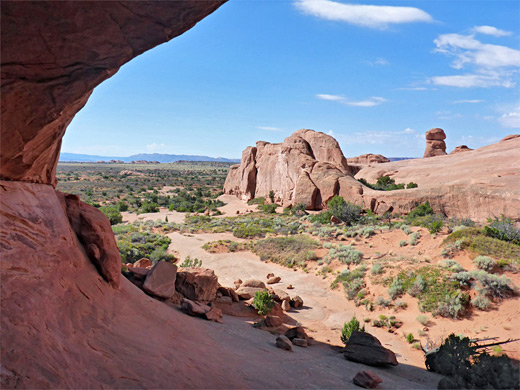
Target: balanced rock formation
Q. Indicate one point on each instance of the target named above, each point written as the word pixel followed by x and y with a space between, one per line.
pixel 435 145
pixel 308 167
pixel 461 148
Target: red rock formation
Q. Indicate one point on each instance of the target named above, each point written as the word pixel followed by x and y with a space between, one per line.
pixel 461 148
pixel 435 145
pixel 367 159
pixel 55 53
pixel 308 167
pixel 511 136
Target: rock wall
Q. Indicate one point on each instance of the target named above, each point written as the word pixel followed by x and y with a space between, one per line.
pixel 308 167
pixel 55 53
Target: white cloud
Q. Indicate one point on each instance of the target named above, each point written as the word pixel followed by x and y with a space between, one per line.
pixel 413 88
pixel 409 131
pixel 380 61
pixel 268 128
pixel 330 97
pixel 510 120
pixel 373 16
pixel 468 101
pixel 490 30
pixel 371 102
pixel 491 65
pixel 154 148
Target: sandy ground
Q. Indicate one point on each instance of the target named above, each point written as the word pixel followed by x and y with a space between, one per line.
pixel 173 216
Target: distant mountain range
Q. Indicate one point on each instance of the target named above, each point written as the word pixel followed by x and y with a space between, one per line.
pixel 162 158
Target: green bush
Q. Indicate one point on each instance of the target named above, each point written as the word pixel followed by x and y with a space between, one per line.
pixel 321 218
pixel 503 229
pixel 344 211
pixel 189 262
pixel 423 319
pixel 113 214
pixel 269 208
pixel 396 289
pixel 289 251
pixel 485 263
pixel 349 328
pixel 259 201
pixel 149 207
pixel 299 210
pixel 263 302
pixel 122 205
pixel 134 245
pixel 453 305
pixel 409 338
pixel 481 302
pixel 411 185
pixel 420 211
pixel 271 196
pixel 377 269
pixel 346 254
pixel 493 285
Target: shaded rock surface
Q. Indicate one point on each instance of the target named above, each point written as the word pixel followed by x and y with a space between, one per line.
pixel 367 379
pixel 160 281
pixel 435 145
pixel 364 348
pixel 308 167
pixel 197 284
pixel 283 342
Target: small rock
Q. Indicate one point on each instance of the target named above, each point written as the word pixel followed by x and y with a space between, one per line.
pixel 195 309
pixel 280 295
pixel 253 283
pixel 274 279
pixel 290 287
pixel 139 273
pixel 283 343
pixel 296 301
pixel 143 263
pixel 299 342
pixel 367 379
pixel 273 321
pixel 286 306
pixel 237 283
pixel 269 276
pixel 296 333
pixel 224 299
pixel 228 292
pixel 214 315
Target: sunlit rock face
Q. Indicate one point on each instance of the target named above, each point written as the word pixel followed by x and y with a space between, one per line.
pixel 435 145
pixel 55 53
pixel 308 167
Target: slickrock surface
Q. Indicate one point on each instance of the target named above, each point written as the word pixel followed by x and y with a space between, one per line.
pixel 367 159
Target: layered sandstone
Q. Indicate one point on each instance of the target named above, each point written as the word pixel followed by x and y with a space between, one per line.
pixel 461 148
pixel 308 167
pixel 367 159
pixel 435 145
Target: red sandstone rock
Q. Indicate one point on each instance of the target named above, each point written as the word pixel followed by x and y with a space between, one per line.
pixel 283 343
pixel 95 235
pixel 197 284
pixel 435 145
pixel 512 136
pixel 461 148
pixel 367 159
pixel 272 321
pixel 144 262
pixel 367 379
pixel 160 281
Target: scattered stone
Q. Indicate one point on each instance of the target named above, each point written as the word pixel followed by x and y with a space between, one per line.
pixel 194 309
pixel 269 276
pixel 176 298
pixel 229 292
pixel 283 343
pixel 214 314
pixel 248 292
pixel 286 306
pixel 299 342
pixel 253 283
pixel 364 348
pixel 224 299
pixel 197 284
pixel 274 279
pixel 144 262
pixel 160 280
pixel 273 321
pixel 290 287
pixel 280 295
pixel 296 301
pixel 296 333
pixel 237 283
pixel 367 379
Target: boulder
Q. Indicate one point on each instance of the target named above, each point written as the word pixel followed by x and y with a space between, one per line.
pixel 161 280
pixel 280 295
pixel 364 348
pixel 286 306
pixel 214 314
pixel 197 284
pixel 195 309
pixel 435 145
pixel 95 235
pixel 296 332
pixel 237 283
pixel 274 280
pixel 228 292
pixel 283 343
pixel 296 301
pixel 299 342
pixel 272 321
pixel 144 262
pixel 248 292
pixel 139 273
pixel 269 275
pixel 461 148
pixel 367 379
pixel 253 283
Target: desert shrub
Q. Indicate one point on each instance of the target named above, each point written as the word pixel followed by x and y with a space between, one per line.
pixel 259 201
pixel 452 265
pixel 159 254
pixel 402 243
pixel 420 211
pixel 400 305
pixel 396 288
pixel 122 205
pixel 417 286
pixel 113 214
pixel 423 319
pixel 381 301
pixel 289 251
pixel 481 302
pixel 406 229
pixel 134 245
pixel 269 208
pixel 271 196
pixel 377 269
pixel 453 305
pixel 503 229
pixel 149 207
pixel 189 262
pixel 414 238
pixel 411 185
pixel 409 338
pixel 346 254
pixel 321 218
pixel 384 183
pixel 344 211
pixel 299 210
pixel 493 285
pixel 346 276
pixel 466 366
pixel 263 302
pixel 463 278
pixel 349 328
pixel 353 287
pixel 485 263
pixel 248 232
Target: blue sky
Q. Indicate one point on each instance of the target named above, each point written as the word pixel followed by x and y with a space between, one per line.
pixel 374 74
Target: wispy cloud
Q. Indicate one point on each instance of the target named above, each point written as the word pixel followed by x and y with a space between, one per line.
pixel 490 30
pixel 468 101
pixel 491 65
pixel 414 88
pixel 373 16
pixel 268 128
pixel 154 147
pixel 371 102
pixel 446 115
pixel 510 120
pixel 380 61
pixel 408 131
